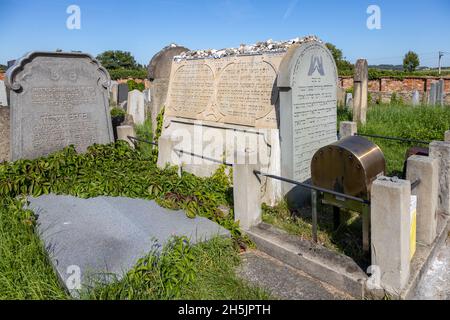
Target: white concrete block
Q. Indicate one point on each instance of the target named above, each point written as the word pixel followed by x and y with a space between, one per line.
pixel 390 231
pixel 425 169
pixel 441 150
pixel 246 192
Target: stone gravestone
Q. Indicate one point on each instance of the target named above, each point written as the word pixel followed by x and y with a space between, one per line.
pixel 349 100
pixel 57 99
pixel 136 106
pixel 432 95
pixel 4 134
pixel 122 95
pixel 222 104
pixel 307 81
pixel 416 98
pixel 159 69
pixel 113 92
pixel 360 89
pixel 3 95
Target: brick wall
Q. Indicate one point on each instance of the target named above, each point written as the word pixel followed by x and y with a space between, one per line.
pixel 2 76
pixel 383 88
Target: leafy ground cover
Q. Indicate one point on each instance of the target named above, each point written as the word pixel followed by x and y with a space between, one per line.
pixel 118 170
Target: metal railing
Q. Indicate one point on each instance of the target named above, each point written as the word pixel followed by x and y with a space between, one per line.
pixel 376 136
pixel 311 187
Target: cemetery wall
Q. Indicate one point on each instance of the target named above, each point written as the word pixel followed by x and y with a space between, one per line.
pixel 383 88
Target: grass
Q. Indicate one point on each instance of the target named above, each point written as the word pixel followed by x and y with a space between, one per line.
pixel 202 272
pixel 25 272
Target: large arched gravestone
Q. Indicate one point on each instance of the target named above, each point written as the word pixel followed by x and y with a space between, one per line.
pixel 307 80
pixel 57 99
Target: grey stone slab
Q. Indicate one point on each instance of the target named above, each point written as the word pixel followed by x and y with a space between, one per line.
pixel 108 235
pixel 283 281
pixel 57 99
pixel 136 106
pixel 3 95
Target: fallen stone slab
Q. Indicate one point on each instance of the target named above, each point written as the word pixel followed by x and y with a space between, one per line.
pixel 103 238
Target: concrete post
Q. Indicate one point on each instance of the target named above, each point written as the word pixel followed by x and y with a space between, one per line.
pixel 246 191
pixel 347 129
pixel 360 90
pixel 426 169
pixel 390 234
pixel 441 150
pixel 447 136
pixel 166 153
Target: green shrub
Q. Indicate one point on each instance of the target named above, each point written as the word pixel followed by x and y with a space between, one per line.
pixel 117 112
pixel 125 74
pixel 133 85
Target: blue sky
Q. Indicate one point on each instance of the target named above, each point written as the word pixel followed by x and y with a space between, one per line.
pixel 143 27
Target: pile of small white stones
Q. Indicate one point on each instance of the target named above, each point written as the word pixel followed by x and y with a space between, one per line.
pixel 269 46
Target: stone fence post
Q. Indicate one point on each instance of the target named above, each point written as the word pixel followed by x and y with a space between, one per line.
pixel 390 231
pixel 426 169
pixel 347 129
pixel 441 150
pixel 246 191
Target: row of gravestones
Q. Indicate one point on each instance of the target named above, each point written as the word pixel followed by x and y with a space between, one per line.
pixel 133 102
pixel 288 97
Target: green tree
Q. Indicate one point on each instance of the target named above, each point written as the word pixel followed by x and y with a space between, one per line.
pixel 344 66
pixel 116 60
pixel 411 61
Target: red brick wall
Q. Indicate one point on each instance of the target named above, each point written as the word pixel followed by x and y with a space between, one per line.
pixel 395 85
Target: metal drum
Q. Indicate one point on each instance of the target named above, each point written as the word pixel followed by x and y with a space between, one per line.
pixel 348 166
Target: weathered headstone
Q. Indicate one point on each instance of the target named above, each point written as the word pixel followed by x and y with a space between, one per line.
pixel 226 103
pixel 4 134
pixel 416 98
pixel 113 92
pixel 147 95
pixel 57 99
pixel 307 81
pixel 360 87
pixel 349 100
pixel 432 94
pixel 340 97
pixel 3 95
pixel 136 106
pixel 122 95
pixel 159 69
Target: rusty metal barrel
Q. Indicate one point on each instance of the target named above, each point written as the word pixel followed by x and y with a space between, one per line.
pixel 348 166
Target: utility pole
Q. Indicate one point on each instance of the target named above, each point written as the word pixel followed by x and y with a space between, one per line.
pixel 441 54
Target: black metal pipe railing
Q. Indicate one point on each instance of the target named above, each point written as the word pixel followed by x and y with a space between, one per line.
pixel 392 138
pixel 414 184
pixel 132 139
pixel 311 187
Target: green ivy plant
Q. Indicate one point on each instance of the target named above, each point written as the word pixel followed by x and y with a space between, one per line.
pixel 118 170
